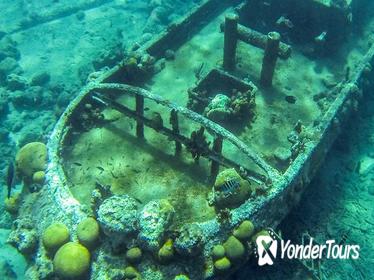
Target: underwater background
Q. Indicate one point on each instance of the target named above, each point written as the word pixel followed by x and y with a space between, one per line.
pixel 48 49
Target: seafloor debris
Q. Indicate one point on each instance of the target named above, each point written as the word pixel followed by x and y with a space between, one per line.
pixel 219 108
pixel 230 102
pixel 154 220
pixel 23 236
pixel 228 107
pixel 117 217
pixel 90 116
pixel 189 241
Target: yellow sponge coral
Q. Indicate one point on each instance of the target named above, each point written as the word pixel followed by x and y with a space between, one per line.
pixel 234 248
pixel 12 204
pixel 31 158
pixel 222 264
pixel 71 261
pixel 244 231
pixel 218 252
pixel 88 232
pixel 38 177
pixel 55 236
pixel 134 255
pixel 131 273
pixel 166 253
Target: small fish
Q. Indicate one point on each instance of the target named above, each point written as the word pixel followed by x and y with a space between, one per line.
pixel 229 187
pixel 11 176
pixel 136 170
pixel 114 176
pixel 138 200
pixel 77 163
pixel 146 109
pixel 321 38
pixel 290 99
pixel 100 168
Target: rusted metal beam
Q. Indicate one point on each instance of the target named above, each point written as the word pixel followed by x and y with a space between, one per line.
pixel 217 148
pixel 210 154
pixel 112 88
pixel 230 42
pixel 270 59
pixel 175 126
pixel 139 111
pixel 259 40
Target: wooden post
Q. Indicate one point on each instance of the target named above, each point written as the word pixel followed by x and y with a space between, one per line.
pixel 217 148
pixel 270 59
pixel 230 42
pixel 175 126
pixel 139 111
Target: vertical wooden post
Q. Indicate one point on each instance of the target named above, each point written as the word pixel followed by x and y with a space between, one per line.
pixel 270 59
pixel 217 148
pixel 230 42
pixel 140 111
pixel 175 126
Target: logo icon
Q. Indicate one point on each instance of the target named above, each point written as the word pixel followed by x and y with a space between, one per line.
pixel 267 249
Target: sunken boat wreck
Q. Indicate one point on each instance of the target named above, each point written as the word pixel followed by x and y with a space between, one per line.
pixel 196 142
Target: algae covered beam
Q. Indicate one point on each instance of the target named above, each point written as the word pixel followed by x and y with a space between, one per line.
pixel 175 125
pixel 270 59
pixel 140 111
pixel 230 41
pixel 259 40
pixel 217 148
